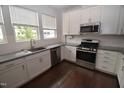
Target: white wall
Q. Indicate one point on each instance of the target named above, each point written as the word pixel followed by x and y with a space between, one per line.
pixel 12 45
pixel 109 40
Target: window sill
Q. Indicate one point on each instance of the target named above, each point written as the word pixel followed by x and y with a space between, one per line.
pixel 2 43
pixel 50 38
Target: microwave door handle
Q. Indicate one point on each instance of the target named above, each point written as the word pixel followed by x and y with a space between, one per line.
pixel 93 28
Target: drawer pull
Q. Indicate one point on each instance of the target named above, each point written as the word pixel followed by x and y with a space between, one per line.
pixel 106 61
pixel 107 57
pixel 104 67
pixel 23 67
pixel 40 60
pixel 9 65
pixel 122 68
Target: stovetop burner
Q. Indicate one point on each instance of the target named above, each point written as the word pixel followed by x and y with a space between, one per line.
pixel 88 45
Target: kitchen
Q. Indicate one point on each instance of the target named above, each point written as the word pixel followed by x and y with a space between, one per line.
pixel 61 46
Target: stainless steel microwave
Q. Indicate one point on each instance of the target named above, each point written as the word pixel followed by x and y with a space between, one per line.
pixel 92 28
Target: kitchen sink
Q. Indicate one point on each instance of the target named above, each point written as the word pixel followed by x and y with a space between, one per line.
pixel 36 49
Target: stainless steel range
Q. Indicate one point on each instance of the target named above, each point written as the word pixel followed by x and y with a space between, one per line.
pixel 86 53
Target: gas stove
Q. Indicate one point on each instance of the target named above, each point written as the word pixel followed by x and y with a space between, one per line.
pixel 88 45
pixel 86 53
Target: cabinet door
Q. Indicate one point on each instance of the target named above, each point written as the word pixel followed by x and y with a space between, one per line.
pixel 74 22
pixel 14 76
pixel 110 19
pixel 85 16
pixel 70 53
pixel 65 23
pixel 38 64
pixel 62 52
pixel 67 53
pixel 73 54
pixel 120 73
pixel 121 21
pixel 34 67
pixel 95 14
pixel 45 60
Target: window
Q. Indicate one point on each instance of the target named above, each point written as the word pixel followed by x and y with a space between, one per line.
pixel 25 23
pixel 49 27
pixel 25 33
pixel 2 31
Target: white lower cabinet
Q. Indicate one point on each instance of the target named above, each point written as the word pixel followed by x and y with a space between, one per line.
pixel 69 53
pixel 13 75
pixel 120 70
pixel 38 63
pixel 17 72
pixel 106 61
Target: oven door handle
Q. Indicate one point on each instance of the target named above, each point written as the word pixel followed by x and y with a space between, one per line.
pixel 86 51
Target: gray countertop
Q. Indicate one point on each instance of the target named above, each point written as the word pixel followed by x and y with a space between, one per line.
pixel 20 54
pixel 70 44
pixel 110 48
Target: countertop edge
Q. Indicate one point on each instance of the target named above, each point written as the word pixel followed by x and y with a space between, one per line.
pixel 47 48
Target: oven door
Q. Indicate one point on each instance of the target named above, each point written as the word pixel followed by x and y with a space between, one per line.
pixel 86 56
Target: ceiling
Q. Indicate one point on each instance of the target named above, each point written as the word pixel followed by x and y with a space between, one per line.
pixel 64 7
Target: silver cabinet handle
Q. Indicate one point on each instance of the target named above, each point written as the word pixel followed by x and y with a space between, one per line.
pixel 106 61
pixel 104 67
pixel 40 60
pixel 122 68
pixel 106 57
pixel 23 67
pixel 107 53
pixel 121 30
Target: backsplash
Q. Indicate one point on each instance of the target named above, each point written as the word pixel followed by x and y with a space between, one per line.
pixel 105 40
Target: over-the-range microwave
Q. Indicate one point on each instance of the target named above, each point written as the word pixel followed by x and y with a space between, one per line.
pixel 90 28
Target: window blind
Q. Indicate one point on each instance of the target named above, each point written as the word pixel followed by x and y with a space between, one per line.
pixel 48 22
pixel 23 16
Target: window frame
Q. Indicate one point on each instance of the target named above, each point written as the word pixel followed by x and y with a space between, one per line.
pixel 3 33
pixel 17 24
pixel 49 28
pixel 38 32
pixel 55 31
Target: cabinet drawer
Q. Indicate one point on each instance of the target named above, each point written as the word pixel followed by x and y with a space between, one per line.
pixel 108 53
pixel 10 64
pixel 37 55
pixel 105 68
pixel 107 60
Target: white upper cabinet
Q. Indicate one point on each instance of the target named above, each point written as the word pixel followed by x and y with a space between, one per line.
pixel 85 16
pixel 95 13
pixel 65 23
pixel 110 19
pixel 121 21
pixel 74 22
pixel 91 14
pixel 71 22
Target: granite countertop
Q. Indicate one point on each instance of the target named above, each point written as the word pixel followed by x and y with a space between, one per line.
pixel 110 48
pixel 70 44
pixel 20 54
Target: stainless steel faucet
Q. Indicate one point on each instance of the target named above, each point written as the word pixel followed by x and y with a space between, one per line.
pixel 32 43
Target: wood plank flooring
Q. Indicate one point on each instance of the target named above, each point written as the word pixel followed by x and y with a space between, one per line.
pixel 67 75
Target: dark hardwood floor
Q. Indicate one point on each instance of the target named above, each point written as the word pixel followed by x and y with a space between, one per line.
pixel 67 75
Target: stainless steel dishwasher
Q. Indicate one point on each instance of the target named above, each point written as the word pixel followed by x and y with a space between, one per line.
pixel 55 55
